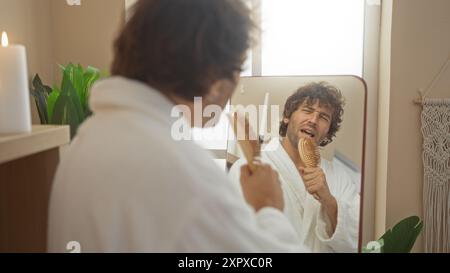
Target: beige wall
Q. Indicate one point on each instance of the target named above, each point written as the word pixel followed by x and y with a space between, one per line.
pixel 55 33
pixel 28 22
pixel 383 118
pixel 419 46
pixel 85 34
pixel 371 76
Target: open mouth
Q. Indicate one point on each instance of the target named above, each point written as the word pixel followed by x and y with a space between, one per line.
pixel 308 132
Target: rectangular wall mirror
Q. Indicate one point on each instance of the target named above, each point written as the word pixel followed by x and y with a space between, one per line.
pixel 345 153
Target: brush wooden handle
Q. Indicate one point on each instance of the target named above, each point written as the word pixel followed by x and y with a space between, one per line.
pixel 247 149
pixel 250 148
pixel 309 154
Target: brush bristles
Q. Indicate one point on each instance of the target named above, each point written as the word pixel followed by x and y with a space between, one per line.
pixel 309 153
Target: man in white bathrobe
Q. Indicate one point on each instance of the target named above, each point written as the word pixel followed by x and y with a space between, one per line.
pixel 126 185
pixel 322 203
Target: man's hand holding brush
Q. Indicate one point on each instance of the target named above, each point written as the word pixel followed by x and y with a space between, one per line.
pixel 314 178
pixel 260 184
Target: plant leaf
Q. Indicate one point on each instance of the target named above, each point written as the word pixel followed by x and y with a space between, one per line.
pixel 402 237
pixel 65 113
pixel 40 97
pixel 51 100
pixel 68 89
pixel 39 86
pixel 72 117
pixel 78 80
pixel 70 104
pixel 91 75
pixel 37 81
pixel 41 106
pixel 47 89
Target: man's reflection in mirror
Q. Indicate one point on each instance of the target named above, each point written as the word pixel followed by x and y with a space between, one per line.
pixel 322 202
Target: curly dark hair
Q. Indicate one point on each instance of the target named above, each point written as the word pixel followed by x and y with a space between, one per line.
pixel 327 95
pixel 183 46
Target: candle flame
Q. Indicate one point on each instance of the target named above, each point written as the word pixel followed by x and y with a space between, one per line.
pixel 4 39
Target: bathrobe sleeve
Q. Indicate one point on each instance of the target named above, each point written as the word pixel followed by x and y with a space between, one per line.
pixel 345 237
pixel 235 175
pixel 227 226
pixel 223 222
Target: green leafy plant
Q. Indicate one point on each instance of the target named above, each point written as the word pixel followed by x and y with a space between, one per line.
pixel 400 239
pixel 40 92
pixel 67 104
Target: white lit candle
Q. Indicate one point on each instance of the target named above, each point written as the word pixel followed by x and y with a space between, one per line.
pixel 15 114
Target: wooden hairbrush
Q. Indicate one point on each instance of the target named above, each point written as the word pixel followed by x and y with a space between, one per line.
pixel 309 153
pixel 249 143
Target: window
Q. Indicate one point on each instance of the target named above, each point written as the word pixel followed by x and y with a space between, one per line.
pixel 300 37
pixel 312 37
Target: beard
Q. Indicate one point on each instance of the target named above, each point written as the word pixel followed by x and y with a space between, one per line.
pixel 293 138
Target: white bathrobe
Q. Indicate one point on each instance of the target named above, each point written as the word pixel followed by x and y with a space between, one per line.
pixel 306 214
pixel 125 185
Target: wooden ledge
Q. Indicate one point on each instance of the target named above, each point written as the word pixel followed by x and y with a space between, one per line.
pixel 42 138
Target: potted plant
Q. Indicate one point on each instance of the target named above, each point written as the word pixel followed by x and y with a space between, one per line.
pixel 400 239
pixel 68 103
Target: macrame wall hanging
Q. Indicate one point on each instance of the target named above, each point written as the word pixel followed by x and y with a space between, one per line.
pixel 436 163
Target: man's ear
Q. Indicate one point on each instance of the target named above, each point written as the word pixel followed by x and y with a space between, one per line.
pixel 285 120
